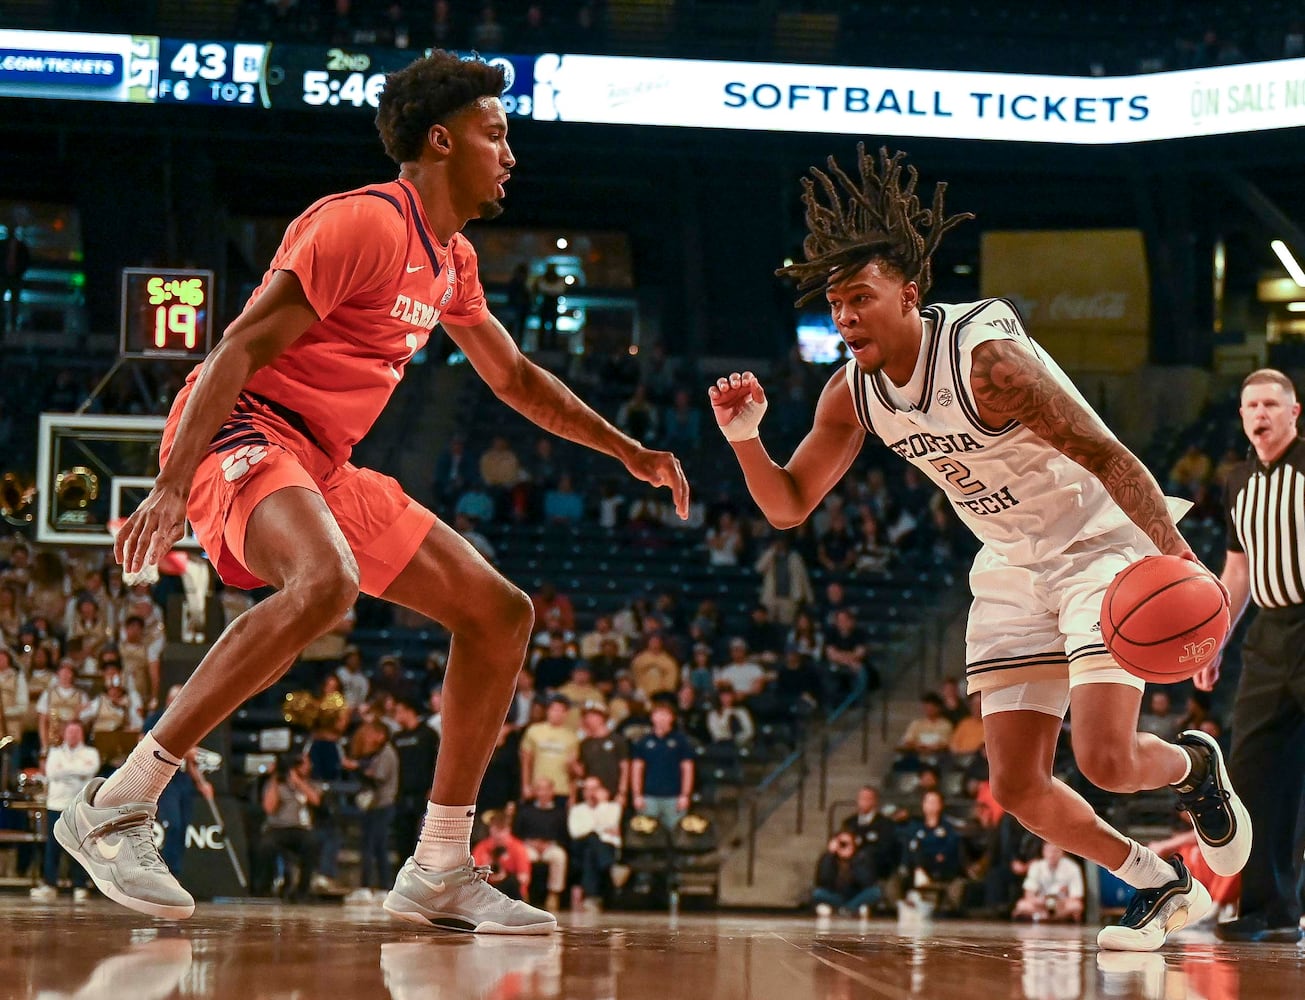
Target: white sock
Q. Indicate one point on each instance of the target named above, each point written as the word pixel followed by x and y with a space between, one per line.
pixel 1143 868
pixel 445 839
pixel 142 777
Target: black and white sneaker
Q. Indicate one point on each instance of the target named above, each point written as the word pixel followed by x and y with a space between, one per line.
pixel 1223 826
pixel 1154 914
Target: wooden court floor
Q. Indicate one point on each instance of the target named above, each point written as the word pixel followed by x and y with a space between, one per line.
pixel 246 951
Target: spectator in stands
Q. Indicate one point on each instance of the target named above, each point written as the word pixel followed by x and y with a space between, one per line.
pixel 662 772
pixel 502 782
pixel 13 693
pixel 391 679
pixel 375 762
pixel 453 472
pixel 872 555
pixel 541 825
pixel 116 709
pixel 654 670
pixel 416 746
pixel 927 735
pixel 1159 717
pixel 844 879
pixel 875 834
pixel 594 824
pixel 562 504
pixel 692 710
pixel 435 711
pixel 603 754
pixel 765 638
pixel 556 667
pixel 591 642
pixel 927 780
pixel 608 662
pixel 547 599
pixel 47 596
pixel 741 672
pixel 476 504
pixel 59 704
pixel 629 620
pixel 700 673
pixel 682 426
pixel 728 721
pixel 581 691
pixel 505 852
pixel 353 682
pixel 967 735
pixel 534 33
pixel 954 707
pixel 1190 472
pixel 847 659
pixel 549 749
pixel 67 767
pixel 90 625
pixel 785 585
pixel 289 797
pixel 11 613
pixel 487 35
pixel 724 541
pixel 637 416
pixel 796 687
pixel 835 547
pixel 466 527
pixel 518 714
pixel 935 854
pixel 806 638
pixel 1053 889
pixel 500 469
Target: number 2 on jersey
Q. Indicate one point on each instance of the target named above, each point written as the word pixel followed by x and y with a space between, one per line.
pixel 958 475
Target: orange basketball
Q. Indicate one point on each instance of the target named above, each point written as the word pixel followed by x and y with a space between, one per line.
pixel 1163 618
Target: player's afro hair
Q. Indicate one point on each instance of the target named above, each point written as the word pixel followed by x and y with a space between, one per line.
pixel 426 93
pixel 881 221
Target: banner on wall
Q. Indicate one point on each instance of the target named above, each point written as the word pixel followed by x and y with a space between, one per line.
pixel 1084 294
pixel 77 66
pixel 909 102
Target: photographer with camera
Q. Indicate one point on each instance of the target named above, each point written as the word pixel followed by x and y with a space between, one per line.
pixel 845 879
pixel 1053 889
pixel 289 797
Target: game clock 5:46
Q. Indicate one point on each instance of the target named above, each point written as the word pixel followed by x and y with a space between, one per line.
pixel 166 313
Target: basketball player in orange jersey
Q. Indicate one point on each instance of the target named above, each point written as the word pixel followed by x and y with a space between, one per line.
pixel 256 454
pixel 1061 506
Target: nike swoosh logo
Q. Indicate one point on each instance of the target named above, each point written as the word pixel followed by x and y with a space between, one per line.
pixel 414 269
pixel 159 756
pixel 109 852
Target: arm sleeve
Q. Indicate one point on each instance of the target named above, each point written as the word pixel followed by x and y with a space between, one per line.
pixel 467 307
pixel 348 247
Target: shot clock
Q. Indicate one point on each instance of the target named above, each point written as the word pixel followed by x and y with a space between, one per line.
pixel 166 313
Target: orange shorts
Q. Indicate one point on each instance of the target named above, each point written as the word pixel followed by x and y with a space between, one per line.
pixel 264 448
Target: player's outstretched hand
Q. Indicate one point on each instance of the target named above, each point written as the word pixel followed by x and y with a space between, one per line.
pixel 739 402
pixel 661 468
pixel 150 533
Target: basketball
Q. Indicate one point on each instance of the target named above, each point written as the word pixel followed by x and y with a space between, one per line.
pixel 1163 618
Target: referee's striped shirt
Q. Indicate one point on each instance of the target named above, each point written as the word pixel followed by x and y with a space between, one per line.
pixel 1266 519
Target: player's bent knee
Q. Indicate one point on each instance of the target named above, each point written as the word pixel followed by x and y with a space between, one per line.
pixel 1110 769
pixel 1020 795
pixel 325 594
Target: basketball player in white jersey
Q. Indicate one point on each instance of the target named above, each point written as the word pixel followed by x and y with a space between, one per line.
pixel 964 394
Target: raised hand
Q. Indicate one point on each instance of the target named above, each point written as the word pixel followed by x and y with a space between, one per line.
pixel 739 403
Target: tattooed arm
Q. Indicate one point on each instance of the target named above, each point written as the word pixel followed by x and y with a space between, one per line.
pixel 544 399
pixel 1009 383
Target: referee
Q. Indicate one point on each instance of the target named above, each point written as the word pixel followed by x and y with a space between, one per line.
pixel 1265 499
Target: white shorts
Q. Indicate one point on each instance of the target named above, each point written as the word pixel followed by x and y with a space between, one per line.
pixel 1034 632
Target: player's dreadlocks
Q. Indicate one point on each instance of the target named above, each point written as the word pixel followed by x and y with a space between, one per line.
pixel 881 221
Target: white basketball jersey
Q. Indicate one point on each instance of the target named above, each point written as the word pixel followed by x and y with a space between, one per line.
pixel 1025 500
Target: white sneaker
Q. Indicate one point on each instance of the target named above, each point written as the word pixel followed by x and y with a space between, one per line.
pixel 80 895
pixel 462 900
pixel 115 844
pixel 1222 824
pixel 44 893
pixel 824 910
pixel 1154 914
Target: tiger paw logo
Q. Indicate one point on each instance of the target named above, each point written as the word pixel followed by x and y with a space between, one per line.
pixel 239 462
pixel 1198 652
pixel 944 397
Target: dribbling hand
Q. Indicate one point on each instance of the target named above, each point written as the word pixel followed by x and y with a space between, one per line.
pixel 739 402
pixel 149 534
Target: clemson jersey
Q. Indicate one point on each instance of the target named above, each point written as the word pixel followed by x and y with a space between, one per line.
pixel 379 281
pixel 1025 500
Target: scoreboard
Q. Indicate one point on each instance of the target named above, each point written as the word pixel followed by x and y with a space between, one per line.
pixel 192 72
